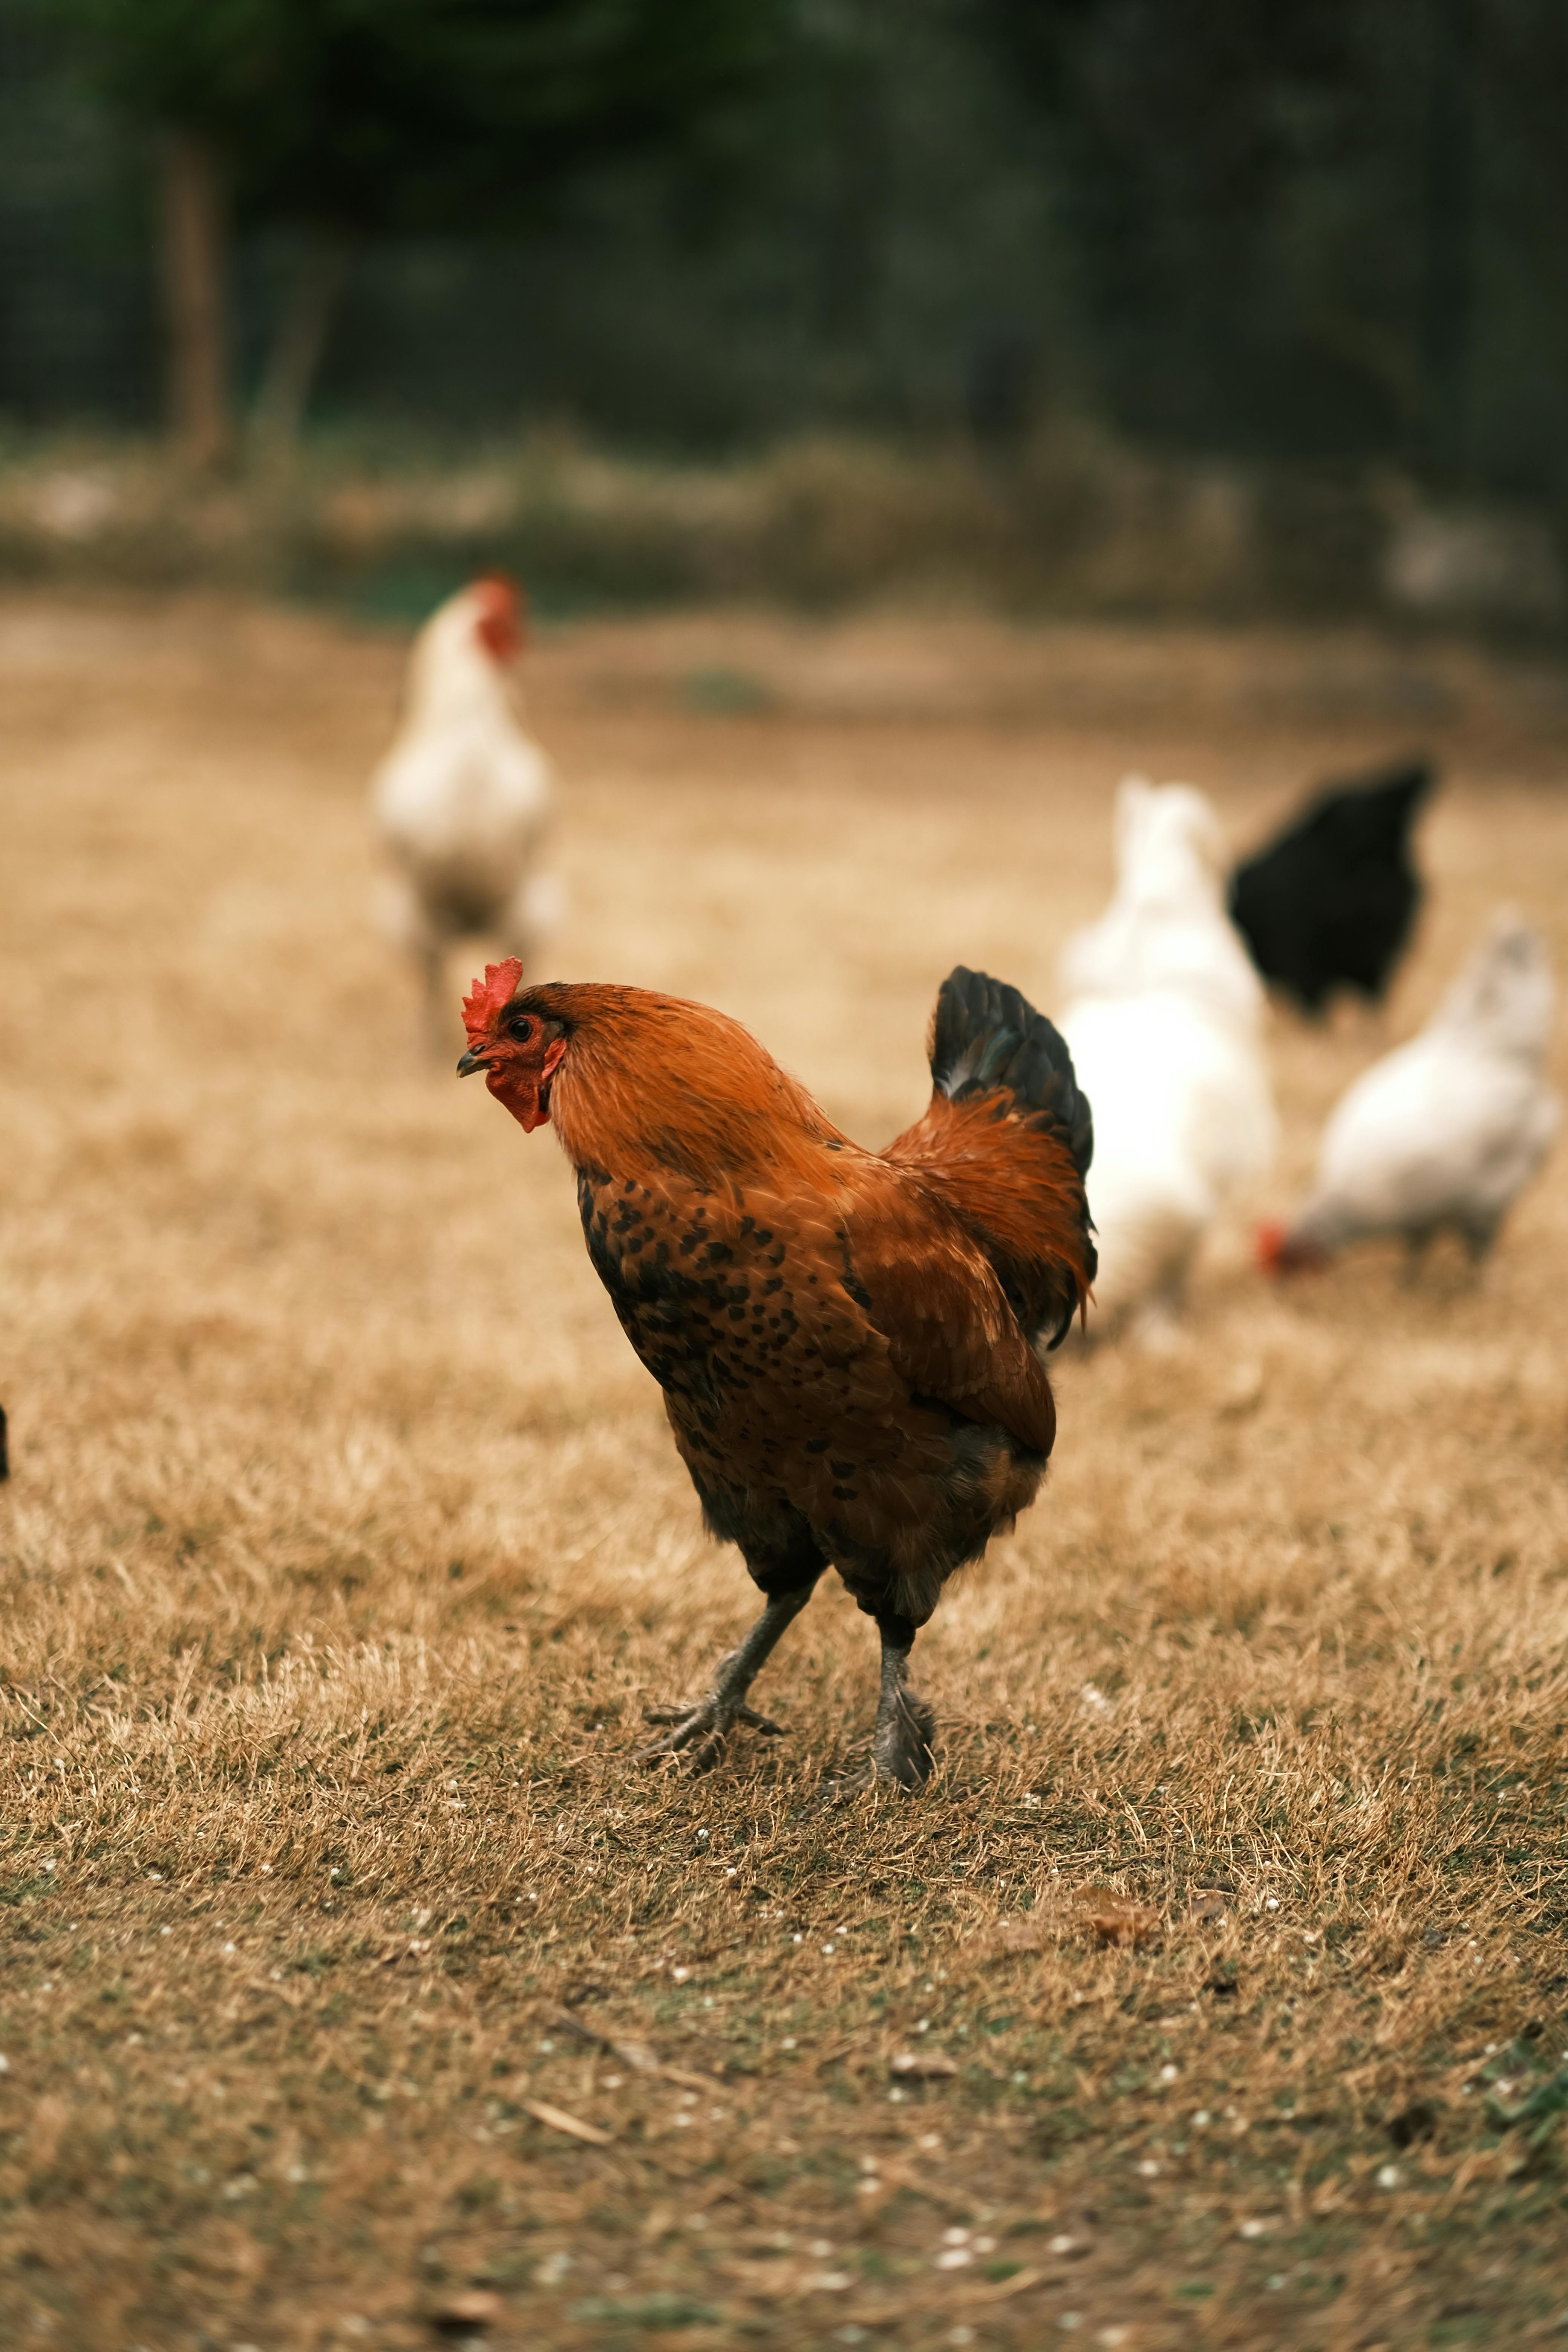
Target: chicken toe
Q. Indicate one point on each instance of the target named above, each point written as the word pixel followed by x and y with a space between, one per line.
pixel 701 1726
pixel 700 1732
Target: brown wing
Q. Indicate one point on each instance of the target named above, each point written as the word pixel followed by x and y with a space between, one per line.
pixel 1013 1188
pixel 928 1285
pixel 1007 1142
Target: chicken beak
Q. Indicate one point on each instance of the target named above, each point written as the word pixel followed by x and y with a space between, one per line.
pixel 470 1063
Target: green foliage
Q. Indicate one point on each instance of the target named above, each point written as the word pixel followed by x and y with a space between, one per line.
pixel 1538 2114
pixel 1325 232
pixel 1318 229
pixel 203 63
pixel 377 115
pixel 645 2310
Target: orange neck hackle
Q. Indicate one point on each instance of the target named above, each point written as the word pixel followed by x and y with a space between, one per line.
pixel 628 1076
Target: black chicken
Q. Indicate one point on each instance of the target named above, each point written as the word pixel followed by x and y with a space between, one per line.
pixel 1328 902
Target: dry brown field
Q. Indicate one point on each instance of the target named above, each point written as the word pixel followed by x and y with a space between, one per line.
pixel 356 1982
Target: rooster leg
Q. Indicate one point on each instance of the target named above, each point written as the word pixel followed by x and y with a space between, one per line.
pixel 901 1742
pixel 1477 1232
pixel 704 1728
pixel 1417 1242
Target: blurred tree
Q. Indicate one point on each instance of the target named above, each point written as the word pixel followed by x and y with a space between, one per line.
pixel 195 279
pixel 1518 373
pixel 1326 232
pixel 1188 126
pixel 1284 219
pixel 1448 303
pixel 347 120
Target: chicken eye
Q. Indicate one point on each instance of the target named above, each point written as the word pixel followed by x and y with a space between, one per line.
pixel 521 1028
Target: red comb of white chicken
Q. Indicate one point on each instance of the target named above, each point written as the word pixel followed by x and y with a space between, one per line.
pixel 1282 1252
pixel 501 621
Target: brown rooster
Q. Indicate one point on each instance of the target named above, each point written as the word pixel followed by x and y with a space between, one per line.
pixel 849 1342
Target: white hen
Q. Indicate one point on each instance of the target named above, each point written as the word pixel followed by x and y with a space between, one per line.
pixel 1165 1020
pixel 462 800
pixel 1447 1130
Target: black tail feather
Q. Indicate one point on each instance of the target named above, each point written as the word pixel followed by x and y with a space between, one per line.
pixel 986 1036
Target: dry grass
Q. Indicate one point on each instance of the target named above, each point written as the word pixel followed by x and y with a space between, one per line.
pixel 345 1543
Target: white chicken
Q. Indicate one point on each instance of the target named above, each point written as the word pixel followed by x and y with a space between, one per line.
pixel 1447 1130
pixel 1164 1018
pixel 462 801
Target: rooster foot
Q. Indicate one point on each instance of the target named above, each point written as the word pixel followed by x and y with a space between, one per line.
pixel 703 1729
pixel 900 1754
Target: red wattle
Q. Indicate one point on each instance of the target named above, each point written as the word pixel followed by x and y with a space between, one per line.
pixel 1271 1245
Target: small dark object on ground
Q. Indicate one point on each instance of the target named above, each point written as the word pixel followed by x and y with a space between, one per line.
pixel 1330 902
pixel 1417 2121
pixel 469 2313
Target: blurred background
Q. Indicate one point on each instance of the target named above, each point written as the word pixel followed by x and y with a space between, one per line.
pixel 1196 307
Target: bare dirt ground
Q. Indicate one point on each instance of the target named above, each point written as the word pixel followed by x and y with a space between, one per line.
pixel 355 1980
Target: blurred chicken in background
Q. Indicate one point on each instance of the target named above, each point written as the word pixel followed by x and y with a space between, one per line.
pixel 1164 1021
pixel 1448 1129
pixel 1330 901
pixel 462 801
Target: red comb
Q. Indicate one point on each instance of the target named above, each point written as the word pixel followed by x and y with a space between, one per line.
pixel 1280 1252
pixel 500 627
pixel 488 997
